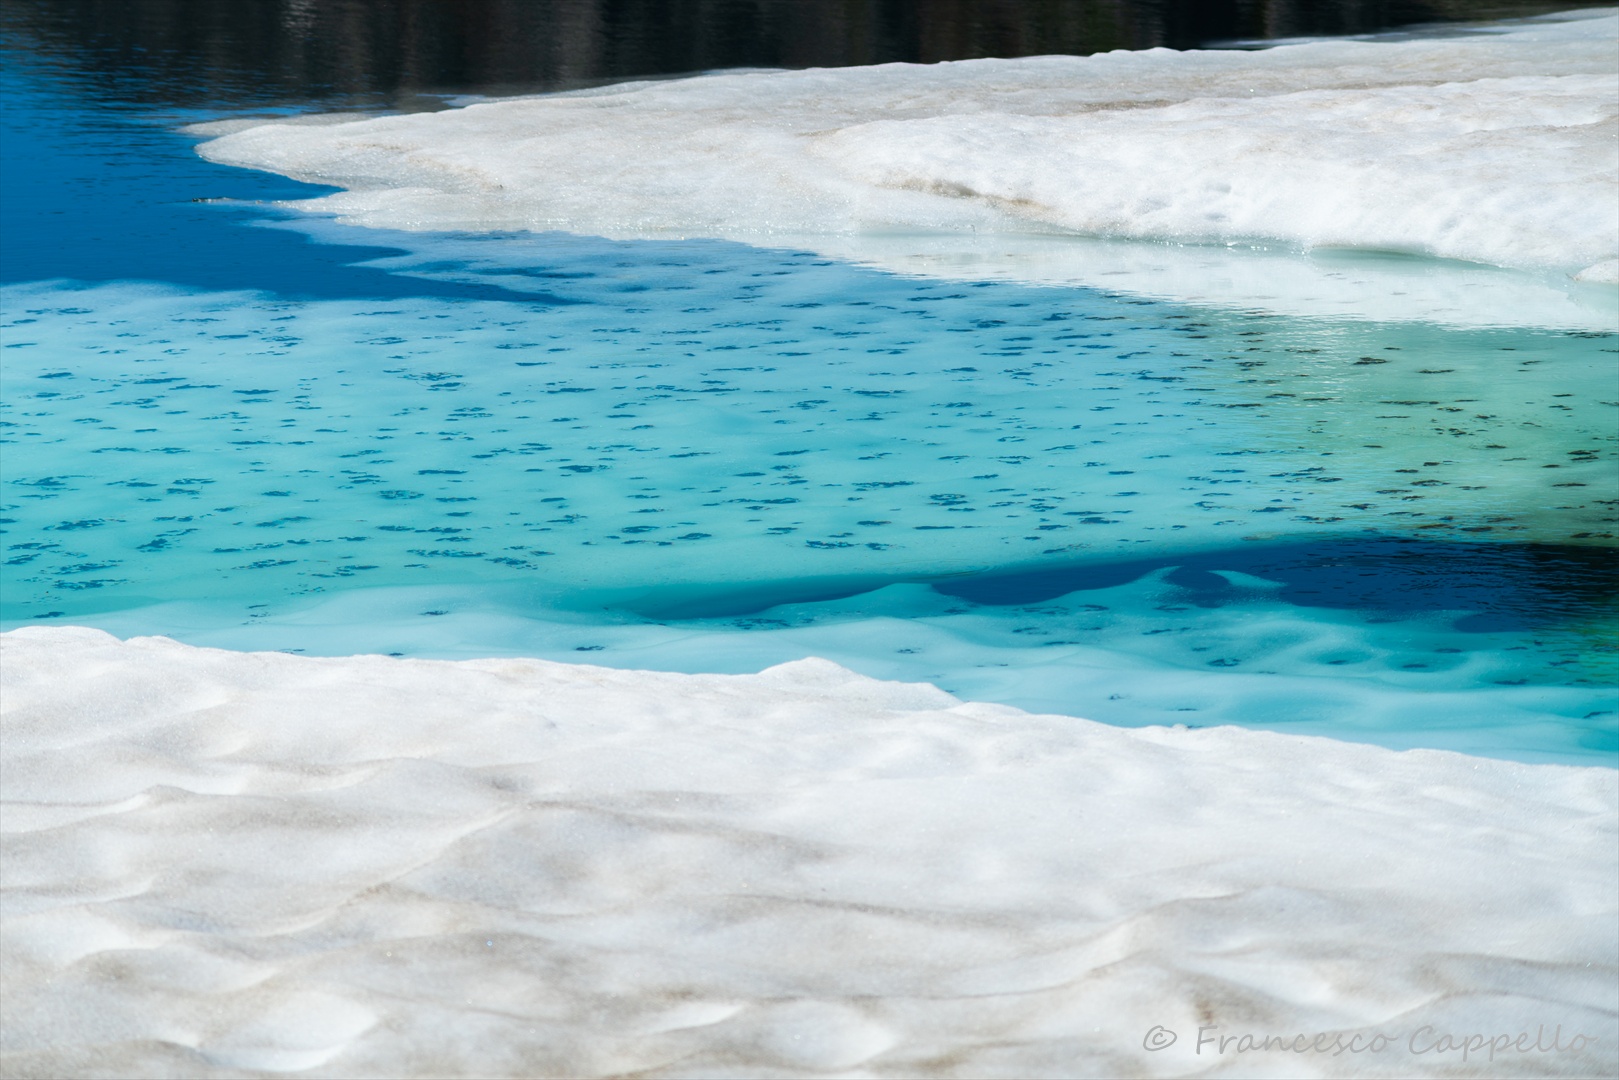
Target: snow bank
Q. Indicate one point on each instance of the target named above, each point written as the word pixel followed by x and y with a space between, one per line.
pixel 221 861
pixel 1496 148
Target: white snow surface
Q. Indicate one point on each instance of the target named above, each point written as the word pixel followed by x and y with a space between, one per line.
pixel 1494 147
pixel 222 863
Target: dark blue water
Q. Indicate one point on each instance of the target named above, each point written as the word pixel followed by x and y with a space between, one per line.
pixel 99 189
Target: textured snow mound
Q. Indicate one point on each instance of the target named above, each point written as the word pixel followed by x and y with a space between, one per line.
pixel 219 862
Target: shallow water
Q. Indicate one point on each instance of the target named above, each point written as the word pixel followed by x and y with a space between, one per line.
pixel 704 456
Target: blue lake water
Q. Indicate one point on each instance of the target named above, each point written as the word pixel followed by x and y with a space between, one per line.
pixel 235 427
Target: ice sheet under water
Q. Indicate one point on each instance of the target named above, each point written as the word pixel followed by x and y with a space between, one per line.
pixel 702 456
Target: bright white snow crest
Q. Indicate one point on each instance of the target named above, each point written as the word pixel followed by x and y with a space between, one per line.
pixel 1494 147
pixel 221 862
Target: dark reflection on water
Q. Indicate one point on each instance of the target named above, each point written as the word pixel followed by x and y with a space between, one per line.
pixel 1493 587
pixel 1508 586
pixel 207 51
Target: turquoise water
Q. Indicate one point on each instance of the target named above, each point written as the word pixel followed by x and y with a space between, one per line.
pixel 704 456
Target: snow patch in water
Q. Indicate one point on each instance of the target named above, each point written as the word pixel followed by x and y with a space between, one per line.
pixel 1491 148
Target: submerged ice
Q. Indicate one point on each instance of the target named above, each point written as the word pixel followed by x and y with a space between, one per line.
pixel 1495 147
pixel 704 456
pixel 752 421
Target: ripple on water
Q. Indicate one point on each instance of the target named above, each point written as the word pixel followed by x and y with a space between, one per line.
pixel 763 428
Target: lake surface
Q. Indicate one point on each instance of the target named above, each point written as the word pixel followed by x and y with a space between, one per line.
pixel 238 427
